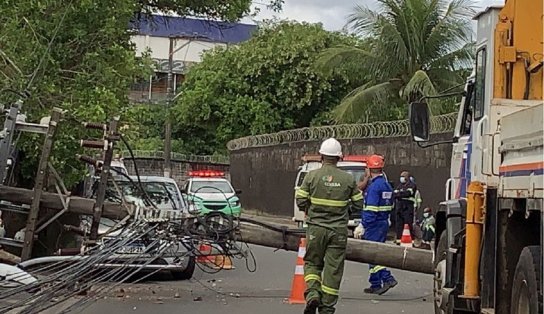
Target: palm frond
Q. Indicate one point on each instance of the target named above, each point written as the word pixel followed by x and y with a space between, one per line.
pixel 363 20
pixel 419 85
pixel 358 103
pixel 336 59
pixel 458 59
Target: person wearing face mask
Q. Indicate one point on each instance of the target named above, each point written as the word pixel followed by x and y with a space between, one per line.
pixel 428 228
pixel 405 201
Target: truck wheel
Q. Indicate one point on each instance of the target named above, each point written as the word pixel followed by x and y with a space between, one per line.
pixel 440 272
pixel 188 272
pixel 526 289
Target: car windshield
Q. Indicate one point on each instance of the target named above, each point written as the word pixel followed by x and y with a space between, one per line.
pixel 211 187
pixel 356 172
pixel 161 193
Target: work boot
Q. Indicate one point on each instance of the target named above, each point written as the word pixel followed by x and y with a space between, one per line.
pixel 311 306
pixel 388 285
pixel 373 290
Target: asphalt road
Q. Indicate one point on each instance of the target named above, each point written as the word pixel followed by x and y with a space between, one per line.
pixel 262 292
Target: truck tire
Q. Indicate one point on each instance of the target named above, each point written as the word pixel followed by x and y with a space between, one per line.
pixel 188 272
pixel 440 271
pixel 526 288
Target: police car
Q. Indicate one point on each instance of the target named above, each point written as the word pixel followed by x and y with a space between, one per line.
pixel 209 191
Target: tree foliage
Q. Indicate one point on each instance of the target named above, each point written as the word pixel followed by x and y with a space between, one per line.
pixel 266 84
pixel 412 48
pixel 78 56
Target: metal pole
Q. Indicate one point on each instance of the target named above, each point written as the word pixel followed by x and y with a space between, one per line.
pixel 7 139
pixel 168 122
pixel 110 138
pixel 38 185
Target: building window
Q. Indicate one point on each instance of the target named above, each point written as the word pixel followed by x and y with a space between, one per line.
pixel 479 88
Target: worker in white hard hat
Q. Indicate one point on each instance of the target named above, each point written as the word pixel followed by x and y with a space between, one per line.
pixel 325 195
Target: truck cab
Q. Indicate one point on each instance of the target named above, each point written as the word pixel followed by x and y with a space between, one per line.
pixel 490 224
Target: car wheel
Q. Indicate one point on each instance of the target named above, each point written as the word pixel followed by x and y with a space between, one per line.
pixel 188 272
pixel 526 290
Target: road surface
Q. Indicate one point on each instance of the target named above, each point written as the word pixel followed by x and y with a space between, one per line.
pixel 262 292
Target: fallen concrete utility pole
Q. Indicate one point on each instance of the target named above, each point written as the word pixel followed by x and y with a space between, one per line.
pixel 6 257
pixel 393 256
pixel 78 205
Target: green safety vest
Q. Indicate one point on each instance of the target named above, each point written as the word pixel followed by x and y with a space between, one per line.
pixel 326 194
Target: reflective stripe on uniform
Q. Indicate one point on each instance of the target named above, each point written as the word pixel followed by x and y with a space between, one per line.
pixel 378 208
pixel 431 227
pixel 329 290
pixel 326 202
pixel 311 277
pixel 357 197
pixel 411 199
pixel 302 193
pixel 376 269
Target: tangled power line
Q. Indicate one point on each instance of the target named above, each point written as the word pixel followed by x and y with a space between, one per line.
pixel 49 281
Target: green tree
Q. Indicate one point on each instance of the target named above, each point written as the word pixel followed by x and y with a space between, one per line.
pixel 411 48
pixel 266 84
pixel 77 55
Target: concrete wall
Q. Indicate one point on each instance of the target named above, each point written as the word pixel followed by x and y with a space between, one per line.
pixel 180 168
pixel 266 175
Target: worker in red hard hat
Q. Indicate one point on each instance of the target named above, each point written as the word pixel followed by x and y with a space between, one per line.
pixel 378 196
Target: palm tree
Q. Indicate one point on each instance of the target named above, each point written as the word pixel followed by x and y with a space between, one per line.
pixel 410 48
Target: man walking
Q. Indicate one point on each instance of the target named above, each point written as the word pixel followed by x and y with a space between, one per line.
pixel 404 205
pixel 325 195
pixel 375 220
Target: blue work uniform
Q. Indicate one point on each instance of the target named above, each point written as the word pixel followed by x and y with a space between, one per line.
pixel 375 220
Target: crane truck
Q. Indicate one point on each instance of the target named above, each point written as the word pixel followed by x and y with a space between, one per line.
pixel 489 228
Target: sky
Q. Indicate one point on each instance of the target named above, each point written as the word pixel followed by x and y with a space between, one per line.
pixel 332 14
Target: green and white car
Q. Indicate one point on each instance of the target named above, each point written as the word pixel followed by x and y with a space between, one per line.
pixel 207 193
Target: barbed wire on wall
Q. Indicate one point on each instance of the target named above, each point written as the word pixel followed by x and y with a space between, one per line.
pixel 439 124
pixel 177 156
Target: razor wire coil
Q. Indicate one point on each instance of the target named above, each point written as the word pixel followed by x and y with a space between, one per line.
pixel 439 124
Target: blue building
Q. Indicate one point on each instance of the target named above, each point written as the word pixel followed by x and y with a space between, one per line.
pixel 190 36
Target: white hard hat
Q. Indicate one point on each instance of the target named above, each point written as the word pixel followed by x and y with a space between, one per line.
pixel 331 147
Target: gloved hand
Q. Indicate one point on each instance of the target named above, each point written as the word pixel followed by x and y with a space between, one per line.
pixel 389 221
pixel 359 231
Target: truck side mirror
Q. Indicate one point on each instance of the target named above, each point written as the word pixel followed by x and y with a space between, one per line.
pixel 419 121
pixel 238 192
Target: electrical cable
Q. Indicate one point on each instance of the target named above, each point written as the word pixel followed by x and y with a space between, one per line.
pixel 136 168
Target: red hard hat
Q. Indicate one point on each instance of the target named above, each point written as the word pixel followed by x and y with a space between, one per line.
pixel 375 162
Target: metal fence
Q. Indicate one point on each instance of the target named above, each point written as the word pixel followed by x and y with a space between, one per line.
pixel 178 156
pixel 439 124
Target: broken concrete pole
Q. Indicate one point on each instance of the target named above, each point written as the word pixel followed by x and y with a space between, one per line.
pixel 393 256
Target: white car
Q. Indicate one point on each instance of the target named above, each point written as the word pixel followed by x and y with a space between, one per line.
pixel 165 194
pixel 210 191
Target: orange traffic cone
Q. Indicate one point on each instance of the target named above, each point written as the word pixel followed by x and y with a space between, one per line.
pixel 223 262
pixel 205 256
pixel 406 239
pixel 298 287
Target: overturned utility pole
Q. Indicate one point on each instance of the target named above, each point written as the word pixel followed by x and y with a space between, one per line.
pixel 393 256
